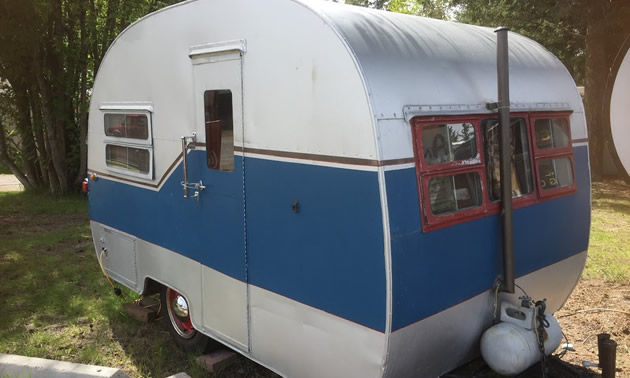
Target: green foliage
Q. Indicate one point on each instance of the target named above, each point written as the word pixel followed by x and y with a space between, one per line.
pixel 428 8
pixel 50 51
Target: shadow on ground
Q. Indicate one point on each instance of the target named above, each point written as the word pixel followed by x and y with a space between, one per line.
pixel 154 353
pixel 557 368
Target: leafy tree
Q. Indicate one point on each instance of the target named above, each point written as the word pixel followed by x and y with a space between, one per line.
pixel 427 8
pixel 50 51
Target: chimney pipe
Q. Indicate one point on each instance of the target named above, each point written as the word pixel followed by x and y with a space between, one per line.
pixel 505 159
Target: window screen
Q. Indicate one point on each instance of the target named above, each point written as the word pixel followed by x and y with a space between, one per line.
pixel 219 129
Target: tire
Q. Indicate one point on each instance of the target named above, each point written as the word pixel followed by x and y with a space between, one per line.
pixel 177 322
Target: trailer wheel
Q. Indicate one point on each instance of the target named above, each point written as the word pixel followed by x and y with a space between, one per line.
pixel 177 322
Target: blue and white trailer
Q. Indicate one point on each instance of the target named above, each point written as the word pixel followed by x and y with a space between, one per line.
pixel 316 185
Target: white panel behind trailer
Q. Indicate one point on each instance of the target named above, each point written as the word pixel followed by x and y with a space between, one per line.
pixel 315 183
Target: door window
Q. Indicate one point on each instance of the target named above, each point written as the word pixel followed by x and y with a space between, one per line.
pixel 219 125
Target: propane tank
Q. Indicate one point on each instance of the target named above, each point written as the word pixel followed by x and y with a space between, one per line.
pixel 510 347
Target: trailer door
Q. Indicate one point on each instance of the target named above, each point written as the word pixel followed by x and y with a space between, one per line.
pixel 219 128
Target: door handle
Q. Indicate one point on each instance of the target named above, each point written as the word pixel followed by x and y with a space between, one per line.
pixel 188 142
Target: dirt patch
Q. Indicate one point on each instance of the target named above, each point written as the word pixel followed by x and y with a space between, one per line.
pixel 8 183
pixel 597 307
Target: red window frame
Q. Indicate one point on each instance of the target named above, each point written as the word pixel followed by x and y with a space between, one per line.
pixel 552 153
pixel 425 172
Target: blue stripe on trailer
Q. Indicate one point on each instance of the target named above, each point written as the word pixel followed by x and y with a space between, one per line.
pixel 329 255
pixel 436 270
pixel 167 219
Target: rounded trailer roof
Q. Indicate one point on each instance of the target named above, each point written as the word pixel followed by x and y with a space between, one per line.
pixel 414 60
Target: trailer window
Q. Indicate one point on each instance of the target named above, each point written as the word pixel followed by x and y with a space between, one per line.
pixel 458 164
pixel 219 130
pixel 449 194
pixel 522 183
pixel 553 154
pixel 128 158
pixel 449 142
pixel 132 126
pixel 129 143
pixel 551 133
pixel 555 173
pixel 450 169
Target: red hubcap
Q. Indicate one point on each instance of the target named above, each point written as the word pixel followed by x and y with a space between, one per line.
pixel 178 313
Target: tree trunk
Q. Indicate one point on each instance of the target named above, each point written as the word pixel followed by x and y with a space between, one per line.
pixel 42 155
pixel 596 73
pixel 606 21
pixel 56 153
pixel 25 131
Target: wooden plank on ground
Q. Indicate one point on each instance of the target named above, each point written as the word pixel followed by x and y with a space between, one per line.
pixel 140 313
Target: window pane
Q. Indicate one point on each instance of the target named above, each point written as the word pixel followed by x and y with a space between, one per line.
pixel 219 130
pixel 449 194
pixel 555 173
pixel 522 182
pixel 552 133
pixel 134 126
pixel 449 142
pixel 129 158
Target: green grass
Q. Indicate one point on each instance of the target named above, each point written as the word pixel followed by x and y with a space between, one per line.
pixel 609 248
pixel 56 303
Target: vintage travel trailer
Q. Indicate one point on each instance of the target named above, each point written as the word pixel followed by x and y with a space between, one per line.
pixel 317 186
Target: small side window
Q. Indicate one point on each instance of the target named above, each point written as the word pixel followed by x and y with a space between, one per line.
pixel 555 173
pixel 449 142
pixel 553 154
pixel 551 133
pixel 128 143
pixel 128 158
pixel 132 126
pixel 452 193
pixel 219 129
pixel 450 170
